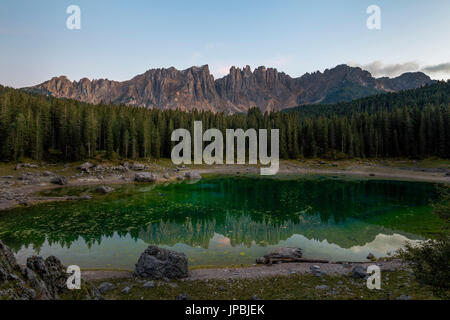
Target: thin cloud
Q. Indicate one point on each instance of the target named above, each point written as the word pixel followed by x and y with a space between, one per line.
pixel 438 68
pixel 380 69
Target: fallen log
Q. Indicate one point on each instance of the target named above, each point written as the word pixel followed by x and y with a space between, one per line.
pixel 287 260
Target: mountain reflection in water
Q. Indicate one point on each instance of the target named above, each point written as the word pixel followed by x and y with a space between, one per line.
pixel 226 220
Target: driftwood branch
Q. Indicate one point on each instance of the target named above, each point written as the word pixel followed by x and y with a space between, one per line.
pixel 286 260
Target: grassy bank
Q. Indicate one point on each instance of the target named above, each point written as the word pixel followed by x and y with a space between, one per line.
pixel 394 285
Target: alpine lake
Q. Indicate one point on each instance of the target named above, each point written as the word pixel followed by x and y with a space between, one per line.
pixel 225 220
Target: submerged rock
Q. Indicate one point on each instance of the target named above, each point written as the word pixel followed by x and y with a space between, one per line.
pixel 192 175
pixel 104 189
pixel 159 263
pixel 145 177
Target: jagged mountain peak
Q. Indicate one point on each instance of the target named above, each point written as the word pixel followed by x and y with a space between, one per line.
pixel 239 90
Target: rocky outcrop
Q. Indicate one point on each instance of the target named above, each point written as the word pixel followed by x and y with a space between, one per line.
pixel 240 90
pixel 39 279
pixel 159 263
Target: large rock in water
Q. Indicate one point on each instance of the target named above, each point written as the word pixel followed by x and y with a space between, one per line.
pixel 192 175
pixel 145 177
pixel 39 280
pixel 104 189
pixel 159 263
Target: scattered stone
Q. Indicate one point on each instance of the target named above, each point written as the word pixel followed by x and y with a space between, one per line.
pixel 159 263
pixel 180 178
pixel 104 287
pixel 59 180
pixel 182 296
pixel 47 174
pixel 137 167
pixel 104 189
pixel 404 297
pixel 312 268
pixel 86 167
pixel 166 176
pixel 318 273
pixel 358 272
pixel 322 287
pixel 145 177
pixel 26 165
pixel 149 284
pixel 125 290
pixel 255 297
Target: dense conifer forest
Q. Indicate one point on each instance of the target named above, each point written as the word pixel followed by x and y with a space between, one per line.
pixel 409 124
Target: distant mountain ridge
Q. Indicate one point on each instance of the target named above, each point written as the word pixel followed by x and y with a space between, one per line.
pixel 240 90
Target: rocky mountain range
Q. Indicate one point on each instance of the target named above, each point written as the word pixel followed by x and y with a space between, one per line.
pixel 238 91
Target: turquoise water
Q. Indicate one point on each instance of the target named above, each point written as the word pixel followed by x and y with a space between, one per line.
pixel 226 220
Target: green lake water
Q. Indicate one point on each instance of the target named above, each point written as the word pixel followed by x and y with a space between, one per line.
pixel 225 220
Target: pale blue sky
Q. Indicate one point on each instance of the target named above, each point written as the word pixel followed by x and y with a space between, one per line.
pixel 120 39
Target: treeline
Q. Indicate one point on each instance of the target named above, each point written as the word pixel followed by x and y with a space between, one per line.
pixel 46 128
pixel 430 95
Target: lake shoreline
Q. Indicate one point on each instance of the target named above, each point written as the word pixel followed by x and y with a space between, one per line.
pixel 256 271
pixel 18 193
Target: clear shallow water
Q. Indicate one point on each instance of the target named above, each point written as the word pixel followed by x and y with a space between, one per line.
pixel 226 220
